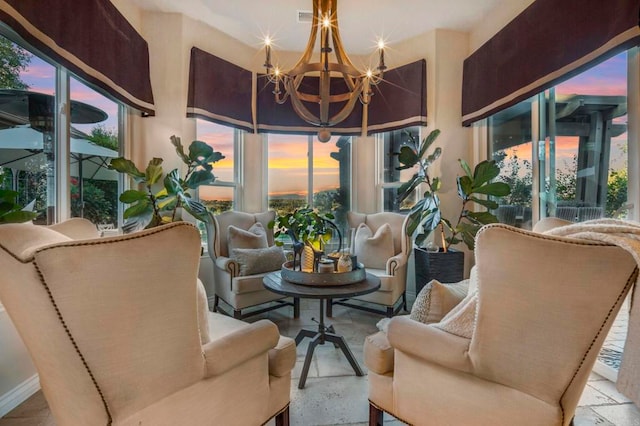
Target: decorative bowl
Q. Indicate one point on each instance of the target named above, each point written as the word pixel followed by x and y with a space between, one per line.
pixel 322 279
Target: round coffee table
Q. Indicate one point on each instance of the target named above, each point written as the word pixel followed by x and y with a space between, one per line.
pixel 275 283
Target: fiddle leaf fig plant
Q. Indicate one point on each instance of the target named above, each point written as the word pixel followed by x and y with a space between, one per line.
pixel 150 206
pixel 426 216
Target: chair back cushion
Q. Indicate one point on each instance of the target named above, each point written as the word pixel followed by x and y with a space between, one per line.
pixel 544 307
pixel 240 220
pixel 374 250
pixel 396 221
pixel 110 323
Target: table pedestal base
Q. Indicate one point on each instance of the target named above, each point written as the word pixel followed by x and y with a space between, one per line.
pixel 324 334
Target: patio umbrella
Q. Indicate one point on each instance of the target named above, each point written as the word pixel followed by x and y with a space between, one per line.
pixel 22 148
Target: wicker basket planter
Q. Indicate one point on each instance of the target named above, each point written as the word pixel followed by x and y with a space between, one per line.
pixel 445 267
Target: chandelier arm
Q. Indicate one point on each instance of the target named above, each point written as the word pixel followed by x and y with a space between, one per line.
pixel 299 108
pixel 348 108
pixel 317 67
pixel 325 92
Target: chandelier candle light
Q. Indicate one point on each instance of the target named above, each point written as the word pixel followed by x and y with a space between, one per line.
pixel 358 83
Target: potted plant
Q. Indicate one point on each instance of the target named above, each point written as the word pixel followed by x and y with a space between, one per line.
pixel 150 206
pixel 305 226
pixel 445 264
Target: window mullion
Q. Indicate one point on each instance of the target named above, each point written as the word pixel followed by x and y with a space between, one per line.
pixel 310 170
pixel 62 123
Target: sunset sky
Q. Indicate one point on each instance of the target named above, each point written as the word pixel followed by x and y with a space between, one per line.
pixel 288 154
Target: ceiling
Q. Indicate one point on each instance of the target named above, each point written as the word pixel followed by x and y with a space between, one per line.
pixel 361 22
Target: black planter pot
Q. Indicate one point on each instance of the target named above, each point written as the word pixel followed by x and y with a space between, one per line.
pixel 445 267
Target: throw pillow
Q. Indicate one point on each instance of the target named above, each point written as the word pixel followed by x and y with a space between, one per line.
pixel 374 250
pixel 435 300
pixel 462 318
pixel 253 238
pixel 257 261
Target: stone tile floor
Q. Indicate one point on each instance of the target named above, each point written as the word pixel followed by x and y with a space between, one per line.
pixel 333 395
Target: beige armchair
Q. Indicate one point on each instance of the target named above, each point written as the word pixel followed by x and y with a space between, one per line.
pixel 544 306
pixel 238 290
pixel 119 331
pixel 391 270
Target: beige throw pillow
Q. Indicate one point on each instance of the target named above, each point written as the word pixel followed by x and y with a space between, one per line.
pixel 257 261
pixel 374 250
pixel 462 318
pixel 253 238
pixel 435 300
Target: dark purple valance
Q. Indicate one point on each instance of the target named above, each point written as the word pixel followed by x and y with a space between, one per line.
pixel 551 40
pixel 275 118
pixel 400 100
pixel 91 39
pixel 219 91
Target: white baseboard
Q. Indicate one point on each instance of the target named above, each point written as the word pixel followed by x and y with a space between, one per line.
pixel 605 371
pixel 19 394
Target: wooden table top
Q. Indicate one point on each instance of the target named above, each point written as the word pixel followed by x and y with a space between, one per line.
pixel 275 283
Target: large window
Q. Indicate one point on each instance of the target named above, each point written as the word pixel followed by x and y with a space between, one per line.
pixel 303 171
pixel 57 171
pixel 577 169
pixel 389 144
pixel 222 195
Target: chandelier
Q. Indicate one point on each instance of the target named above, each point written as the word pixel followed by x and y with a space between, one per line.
pixel 358 83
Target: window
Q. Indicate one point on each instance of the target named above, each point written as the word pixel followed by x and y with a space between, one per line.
pixel 577 169
pixel 222 194
pixel 94 188
pixel 303 171
pixel 34 151
pixel 390 143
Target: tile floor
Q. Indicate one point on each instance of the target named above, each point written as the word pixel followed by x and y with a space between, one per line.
pixel 335 396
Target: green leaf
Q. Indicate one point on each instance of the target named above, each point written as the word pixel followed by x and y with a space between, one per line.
pixel 490 204
pixel 172 183
pixel 132 195
pixel 436 184
pixel 196 209
pixel 408 156
pixel 465 167
pixel 496 189
pixel 465 187
pixel 18 216
pixel 123 165
pixel 433 157
pixel 408 187
pixel 482 217
pixel 484 172
pixel 199 177
pixel 153 172
pixel 141 208
pixel 428 141
pixel 8 195
pixel 175 141
pixel 199 152
pixel 167 201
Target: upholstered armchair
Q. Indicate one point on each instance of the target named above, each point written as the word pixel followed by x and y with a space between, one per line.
pixel 381 243
pixel 239 283
pixel 119 331
pixel 518 350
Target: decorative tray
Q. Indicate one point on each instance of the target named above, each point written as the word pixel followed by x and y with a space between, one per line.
pixel 322 279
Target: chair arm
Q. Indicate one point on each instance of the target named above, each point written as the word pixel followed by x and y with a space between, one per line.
pixel 429 343
pixel 229 265
pixel 225 353
pixel 396 262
